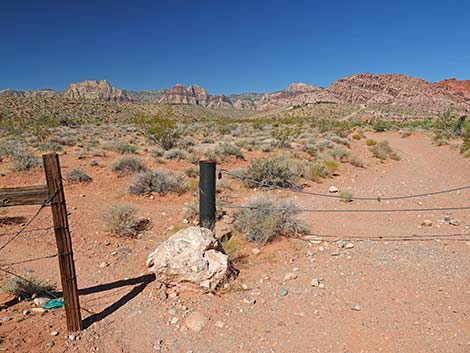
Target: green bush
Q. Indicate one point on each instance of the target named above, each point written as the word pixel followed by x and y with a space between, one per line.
pixel 465 146
pixel 159 181
pixel 23 160
pixel 273 171
pixel 174 153
pixel 26 288
pixel 382 150
pixel 265 220
pixel 127 165
pixel 230 150
pixel 125 148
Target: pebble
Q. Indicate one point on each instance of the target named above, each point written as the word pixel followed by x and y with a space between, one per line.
pixel 315 282
pixel 256 251
pixel 38 310
pixel 220 324
pixel 196 321
pixel 290 276
pixel 162 293
pixel 51 344
pixel 256 292
pixel 333 189
pixel 249 300
pixel 103 265
pixel 40 301
pixel 335 253
pixel 174 321
pixel 356 307
pixel 349 245
pixel 54 333
pixel 426 223
pixel 341 243
pixel 283 292
pixel 322 286
pixel 454 222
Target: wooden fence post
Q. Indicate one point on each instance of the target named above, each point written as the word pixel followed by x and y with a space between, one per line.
pixel 64 242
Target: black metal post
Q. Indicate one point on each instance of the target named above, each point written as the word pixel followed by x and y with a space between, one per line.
pixel 207 171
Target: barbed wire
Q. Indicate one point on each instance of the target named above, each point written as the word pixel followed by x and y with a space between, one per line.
pixel 29 260
pixel 17 234
pixel 412 237
pixel 296 189
pixel 28 231
pixel 299 210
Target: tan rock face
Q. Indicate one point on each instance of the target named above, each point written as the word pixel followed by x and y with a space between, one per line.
pixel 190 256
pixel 100 90
pixel 182 95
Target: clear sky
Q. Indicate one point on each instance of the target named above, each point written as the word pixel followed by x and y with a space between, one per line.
pixel 228 46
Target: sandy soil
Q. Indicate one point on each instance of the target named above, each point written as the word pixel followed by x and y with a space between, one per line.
pixel 414 296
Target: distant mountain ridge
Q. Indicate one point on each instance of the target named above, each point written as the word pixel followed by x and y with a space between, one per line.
pixel 368 89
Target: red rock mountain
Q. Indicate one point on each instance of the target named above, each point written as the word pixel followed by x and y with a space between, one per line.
pixel 92 89
pixel 452 84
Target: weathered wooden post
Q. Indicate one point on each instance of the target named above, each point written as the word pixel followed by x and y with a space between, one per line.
pixel 207 171
pixel 64 242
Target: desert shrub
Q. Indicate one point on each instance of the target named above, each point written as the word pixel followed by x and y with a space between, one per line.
pixel 230 150
pixel 405 133
pixel 160 129
pixel 371 142
pixel 330 136
pixel 157 152
pixel 265 220
pixel 159 181
pixel 340 154
pixel 285 135
pixel 22 160
pixel 322 169
pixel 465 146
pixel 356 161
pixel 50 146
pixel 121 220
pixel 125 148
pixel 94 163
pixel 77 175
pixel 346 196
pixel 191 172
pixel 26 288
pixel 382 150
pixel 440 139
pixel 207 140
pixel 127 165
pixel 191 210
pixel 356 136
pixel 273 171
pixel 174 153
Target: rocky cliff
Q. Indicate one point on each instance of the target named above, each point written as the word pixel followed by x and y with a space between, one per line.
pixel 101 90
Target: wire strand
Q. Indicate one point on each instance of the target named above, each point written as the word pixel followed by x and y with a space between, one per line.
pixel 29 260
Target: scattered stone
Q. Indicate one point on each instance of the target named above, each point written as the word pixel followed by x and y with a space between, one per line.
pixel 447 218
pixel 40 301
pixel 26 312
pixel 335 253
pixel 289 276
pixel 73 337
pixel 162 293
pixel 333 190
pixel 51 344
pixel 220 324
pixel 107 242
pixel 315 282
pixel 174 321
pixel 455 222
pixel 256 251
pixel 185 221
pixel 341 243
pixel 103 265
pixel 249 300
pixel 426 223
pixel 190 256
pixel 196 321
pixel 38 310
pixel 54 333
pixel 322 285
pixel 356 307
pixel 349 245
pixel 283 292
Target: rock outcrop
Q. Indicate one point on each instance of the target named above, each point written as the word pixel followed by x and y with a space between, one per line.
pixel 190 256
pixel 452 84
pixel 220 102
pixel 100 90
pixel 182 95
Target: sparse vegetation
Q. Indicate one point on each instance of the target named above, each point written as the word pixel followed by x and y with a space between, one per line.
pixel 26 288
pixel 382 150
pixel 272 171
pixel 121 220
pixel 160 181
pixel 127 165
pixel 77 175
pixel 263 220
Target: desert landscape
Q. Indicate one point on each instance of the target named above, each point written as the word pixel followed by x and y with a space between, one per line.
pixel 342 218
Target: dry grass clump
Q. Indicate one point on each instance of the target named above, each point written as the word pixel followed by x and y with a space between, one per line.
pixel 227 149
pixel 25 288
pixel 77 175
pixel 322 169
pixel 278 170
pixel 356 162
pixel 265 219
pixel 382 150
pixel 160 181
pixel 125 148
pixel 175 153
pixel 121 220
pixel 127 165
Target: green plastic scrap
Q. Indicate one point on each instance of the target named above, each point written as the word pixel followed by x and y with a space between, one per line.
pixel 53 304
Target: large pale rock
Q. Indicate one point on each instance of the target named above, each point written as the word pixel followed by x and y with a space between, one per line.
pixel 190 256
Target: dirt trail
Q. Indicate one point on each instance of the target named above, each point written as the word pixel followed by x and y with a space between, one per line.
pixel 413 296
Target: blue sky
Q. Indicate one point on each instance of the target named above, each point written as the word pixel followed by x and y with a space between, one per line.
pixel 228 46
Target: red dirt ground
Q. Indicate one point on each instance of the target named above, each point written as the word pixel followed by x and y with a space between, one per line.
pixel 414 295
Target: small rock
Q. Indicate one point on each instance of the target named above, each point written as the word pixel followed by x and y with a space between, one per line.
pixel 174 321
pixel 107 242
pixel 426 223
pixel 283 292
pixel 162 294
pixel 349 245
pixel 290 276
pixel 196 321
pixel 40 301
pixel 356 307
pixel 322 286
pixel 185 221
pixel 256 251
pixel 51 344
pixel 335 253
pixel 249 300
pixel 54 333
pixel 256 292
pixel 333 190
pixel 151 197
pixel 455 222
pixel 72 337
pixel 341 243
pixel 103 265
pixel 26 312
pixel 315 282
pixel 220 324
pixel 38 310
